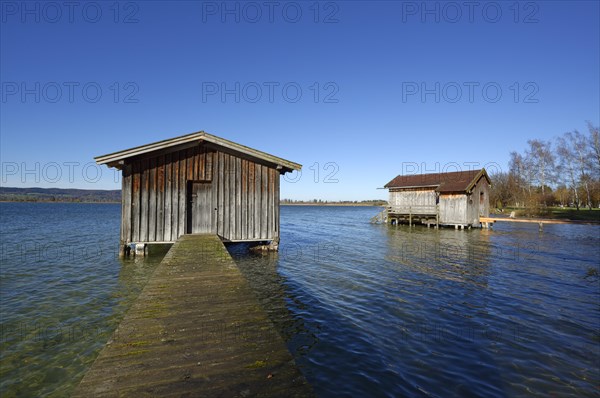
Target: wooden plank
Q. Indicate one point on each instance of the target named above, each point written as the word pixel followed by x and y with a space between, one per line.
pixel 272 203
pixel 244 199
pixel 220 166
pixel 181 222
pixel 144 200
pixel 210 159
pixel 152 200
pixel 257 200
pixel 168 197
pixel 230 197
pixel 201 164
pixel 277 204
pixel 264 202
pixel 190 153
pixel 160 198
pixel 135 201
pixel 238 198
pixel 126 196
pixel 251 189
pixel 214 196
pixel 197 154
pixel 226 196
pixel 175 199
pixel 196 329
pixel 536 220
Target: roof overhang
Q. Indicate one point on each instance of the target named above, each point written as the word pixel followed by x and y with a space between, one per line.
pixel 475 180
pixel 393 189
pixel 440 186
pixel 119 159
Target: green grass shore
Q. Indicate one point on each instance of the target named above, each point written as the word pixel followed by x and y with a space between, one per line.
pixel 556 213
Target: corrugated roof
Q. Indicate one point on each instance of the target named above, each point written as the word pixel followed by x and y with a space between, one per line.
pixel 457 181
pixel 115 159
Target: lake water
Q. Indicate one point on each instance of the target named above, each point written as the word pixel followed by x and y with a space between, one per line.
pixel 366 310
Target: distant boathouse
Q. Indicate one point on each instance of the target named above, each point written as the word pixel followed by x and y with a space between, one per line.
pixel 198 183
pixel 456 199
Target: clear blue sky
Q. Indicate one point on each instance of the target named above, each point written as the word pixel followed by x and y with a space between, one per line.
pixel 380 84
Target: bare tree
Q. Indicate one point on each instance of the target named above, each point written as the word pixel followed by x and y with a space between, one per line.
pixel 594 140
pixel 583 156
pixel 567 164
pixel 542 158
pixel 501 193
pixel 521 172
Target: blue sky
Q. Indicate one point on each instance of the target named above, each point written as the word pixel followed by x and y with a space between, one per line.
pixel 358 91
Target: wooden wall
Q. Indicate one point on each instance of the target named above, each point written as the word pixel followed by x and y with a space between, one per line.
pixel 465 209
pixel 453 209
pixel 479 206
pixel 418 201
pixel 244 196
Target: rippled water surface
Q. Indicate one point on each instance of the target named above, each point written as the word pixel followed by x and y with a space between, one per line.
pixel 367 310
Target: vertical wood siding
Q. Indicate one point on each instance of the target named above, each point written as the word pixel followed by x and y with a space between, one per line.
pixel 244 196
pixel 418 201
pixel 453 209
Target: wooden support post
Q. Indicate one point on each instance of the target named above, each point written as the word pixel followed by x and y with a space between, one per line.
pixel 122 249
pixel 437 216
pixel 409 216
pixel 541 226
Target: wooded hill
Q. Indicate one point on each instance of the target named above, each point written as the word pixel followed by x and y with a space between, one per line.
pixel 8 194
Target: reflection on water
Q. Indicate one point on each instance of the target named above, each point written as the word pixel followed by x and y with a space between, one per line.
pixel 371 310
pixel 367 310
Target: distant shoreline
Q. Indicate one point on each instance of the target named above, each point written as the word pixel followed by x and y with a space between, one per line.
pixel 59 201
pixel 115 203
pixel 333 204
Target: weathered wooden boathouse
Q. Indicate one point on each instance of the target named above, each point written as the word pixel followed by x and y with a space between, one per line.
pixel 456 199
pixel 197 183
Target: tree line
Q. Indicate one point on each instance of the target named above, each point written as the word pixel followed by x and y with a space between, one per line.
pixel 560 172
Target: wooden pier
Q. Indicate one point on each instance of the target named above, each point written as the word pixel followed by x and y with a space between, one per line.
pixel 486 222
pixel 197 330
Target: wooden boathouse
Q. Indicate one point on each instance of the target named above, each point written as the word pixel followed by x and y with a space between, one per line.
pixel 456 199
pixel 197 183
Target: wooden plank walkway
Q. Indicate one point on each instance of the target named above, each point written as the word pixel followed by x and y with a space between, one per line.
pixel 535 220
pixel 196 330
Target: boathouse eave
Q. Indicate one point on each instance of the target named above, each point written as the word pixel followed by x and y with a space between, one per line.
pixel 118 159
pixel 441 186
pixel 397 189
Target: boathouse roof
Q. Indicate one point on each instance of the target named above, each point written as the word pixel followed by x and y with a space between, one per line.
pixel 117 159
pixel 457 181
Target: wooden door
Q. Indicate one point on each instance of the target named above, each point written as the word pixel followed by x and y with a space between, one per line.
pixel 200 209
